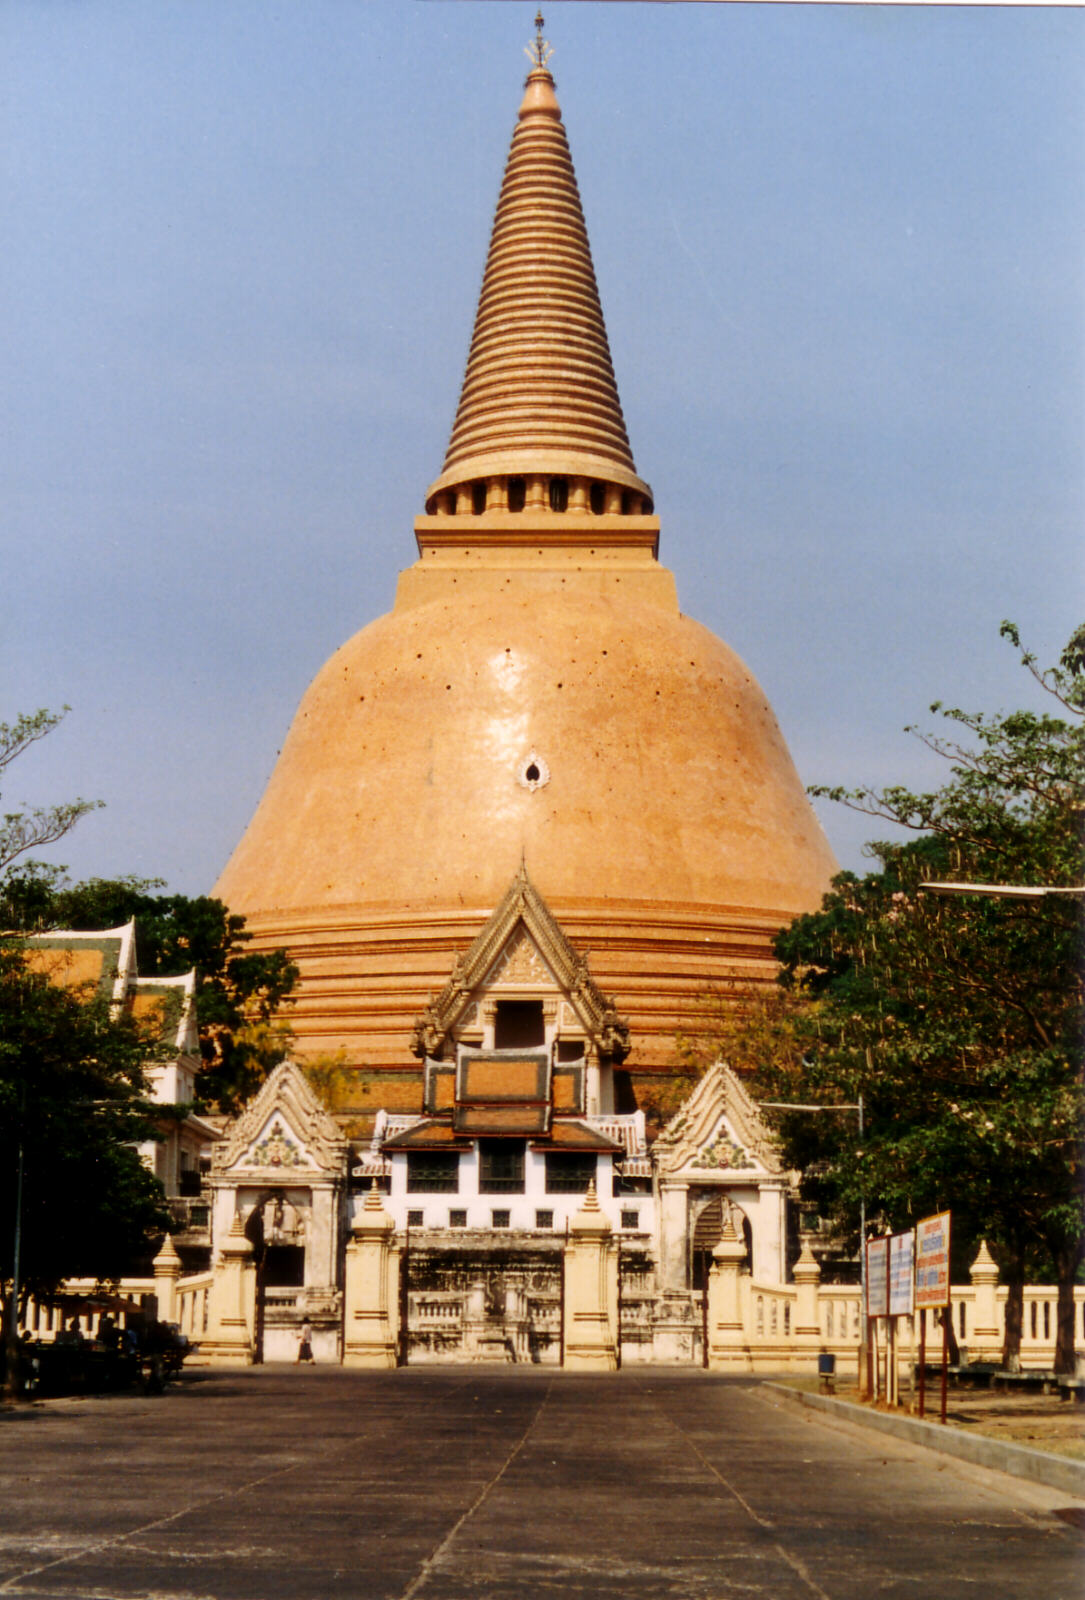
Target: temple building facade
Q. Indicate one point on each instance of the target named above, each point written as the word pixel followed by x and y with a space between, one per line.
pixel 520 825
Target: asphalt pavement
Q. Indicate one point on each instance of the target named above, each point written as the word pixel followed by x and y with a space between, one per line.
pixel 489 1483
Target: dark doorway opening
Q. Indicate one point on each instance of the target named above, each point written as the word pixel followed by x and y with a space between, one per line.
pixel 519 1025
pixel 284 1266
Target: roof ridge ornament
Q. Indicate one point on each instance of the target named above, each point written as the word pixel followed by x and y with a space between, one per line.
pixel 539 51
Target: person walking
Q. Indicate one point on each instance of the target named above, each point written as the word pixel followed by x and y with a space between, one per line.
pixel 305 1342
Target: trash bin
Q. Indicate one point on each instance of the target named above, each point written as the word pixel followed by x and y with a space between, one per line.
pixel 826 1366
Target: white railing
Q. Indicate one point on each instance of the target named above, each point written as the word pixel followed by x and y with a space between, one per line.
pixel 772 1318
pixel 81 1305
pixel 625 1128
pixel 429 1309
pixel 192 1303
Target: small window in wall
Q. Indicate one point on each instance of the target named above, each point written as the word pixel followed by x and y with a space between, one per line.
pixel 519 1025
pixel 457 1219
pixel 517 494
pixel 570 1049
pixel 559 494
pixel 500 1166
pixel 544 1220
pixel 478 498
pixel 432 1172
pixel 567 1173
pixel 415 1219
pixel 630 1219
pixel 597 498
pixel 500 1219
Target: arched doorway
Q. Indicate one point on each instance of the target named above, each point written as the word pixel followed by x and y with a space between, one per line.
pixel 706 1234
pixel 275 1228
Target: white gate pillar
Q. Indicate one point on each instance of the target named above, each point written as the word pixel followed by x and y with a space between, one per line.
pixel 232 1312
pixel 590 1324
pixel 167 1270
pixel 726 1336
pixel 983 1272
pixel 371 1290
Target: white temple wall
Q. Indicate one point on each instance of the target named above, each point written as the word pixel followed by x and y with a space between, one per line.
pixel 522 1208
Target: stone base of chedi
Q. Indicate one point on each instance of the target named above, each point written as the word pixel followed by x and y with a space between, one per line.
pixel 535 697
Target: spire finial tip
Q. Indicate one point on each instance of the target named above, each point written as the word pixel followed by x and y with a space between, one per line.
pixel 539 51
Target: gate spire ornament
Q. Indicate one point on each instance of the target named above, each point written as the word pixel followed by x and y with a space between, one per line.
pixel 539 51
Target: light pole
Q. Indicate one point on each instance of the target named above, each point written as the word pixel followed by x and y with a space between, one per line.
pixel 857 1106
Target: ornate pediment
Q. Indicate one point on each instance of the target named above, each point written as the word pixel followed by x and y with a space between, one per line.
pixel 520 965
pixel 718 1129
pixel 522 946
pixel 283 1133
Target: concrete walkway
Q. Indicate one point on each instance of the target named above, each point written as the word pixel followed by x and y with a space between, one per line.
pixel 1003 1455
pixel 494 1483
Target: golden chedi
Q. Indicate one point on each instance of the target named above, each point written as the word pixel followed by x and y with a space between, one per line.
pixel 536 697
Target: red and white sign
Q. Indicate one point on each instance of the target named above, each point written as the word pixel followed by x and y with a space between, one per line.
pixel 877 1277
pixel 901 1262
pixel 932 1261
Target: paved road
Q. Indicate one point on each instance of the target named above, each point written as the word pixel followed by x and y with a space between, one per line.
pixel 494 1483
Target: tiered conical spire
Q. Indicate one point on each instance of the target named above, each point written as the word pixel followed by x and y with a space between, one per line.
pixel 539 396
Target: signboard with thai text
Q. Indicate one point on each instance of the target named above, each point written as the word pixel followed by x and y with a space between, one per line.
pixel 932 1261
pixel 901 1262
pixel 877 1277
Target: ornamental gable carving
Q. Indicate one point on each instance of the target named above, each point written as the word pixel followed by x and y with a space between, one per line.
pixel 276 1148
pixel 520 965
pixel 284 1131
pixel 718 1129
pixel 523 946
pixel 723 1151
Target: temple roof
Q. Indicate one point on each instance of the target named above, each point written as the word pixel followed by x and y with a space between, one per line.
pixel 539 394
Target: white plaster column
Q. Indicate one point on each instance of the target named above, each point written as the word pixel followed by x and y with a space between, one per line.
pixel 321 1245
pixel 673 1205
pixel 590 1331
pixel 167 1270
pixel 592 1087
pixel 769 1262
pixel 224 1208
pixel 727 1346
pixel 371 1290
pixel 469 1197
pixel 232 1311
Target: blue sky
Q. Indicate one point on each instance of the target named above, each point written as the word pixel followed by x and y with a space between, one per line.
pixel 839 252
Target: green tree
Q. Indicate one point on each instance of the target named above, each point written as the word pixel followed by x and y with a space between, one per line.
pixel 75 1197
pixel 33 827
pixel 72 1109
pixel 239 993
pixel 958 1019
